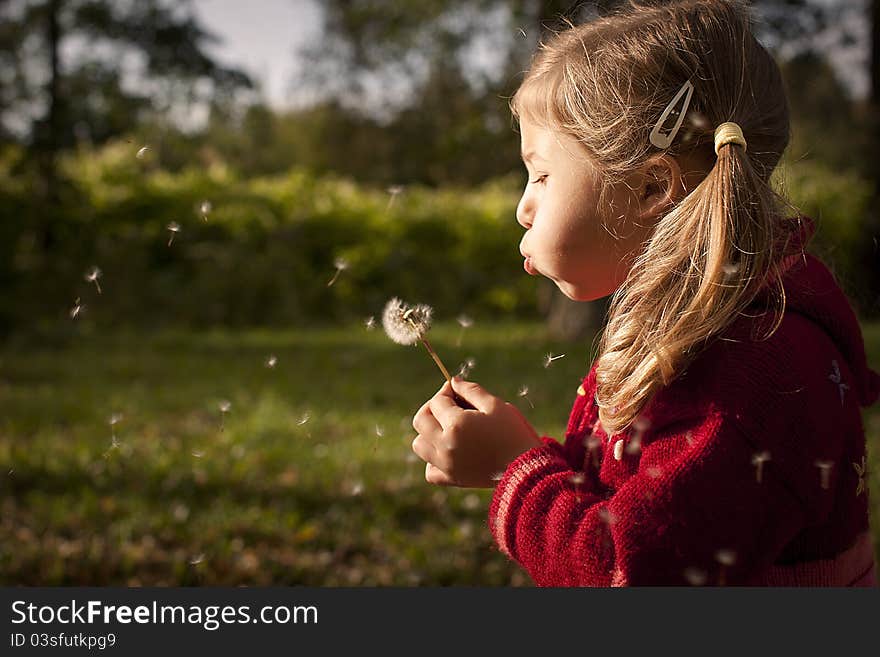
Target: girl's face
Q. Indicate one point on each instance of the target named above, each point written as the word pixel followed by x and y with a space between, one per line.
pixel 565 238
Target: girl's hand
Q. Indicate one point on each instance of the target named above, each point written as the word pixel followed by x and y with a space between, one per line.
pixel 469 448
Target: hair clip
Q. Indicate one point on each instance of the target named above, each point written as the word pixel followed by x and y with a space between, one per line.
pixel 661 140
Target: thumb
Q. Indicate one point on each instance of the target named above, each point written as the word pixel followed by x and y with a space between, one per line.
pixel 474 393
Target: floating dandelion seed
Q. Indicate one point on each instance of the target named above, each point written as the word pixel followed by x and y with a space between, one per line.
pixel 114 419
pixel 729 269
pixel 197 560
pixel 304 418
pixel 379 433
pixel 92 276
pixel 407 325
pixel 77 309
pixel 524 392
pixel 142 152
pixel 726 558
pixel 464 370
pixel 496 476
pixel 758 461
pixel 393 191
pixel 370 323
pixel 592 443
pixel 836 378
pixel 198 453
pixel 224 407
pixel 824 472
pixel 862 472
pixel 549 358
pixel 695 576
pixel 205 209
pixel 173 228
pixel 341 265
pixel 523 32
pixel 465 322
pixel 271 361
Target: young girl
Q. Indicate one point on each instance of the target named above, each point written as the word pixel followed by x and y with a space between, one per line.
pixel 717 438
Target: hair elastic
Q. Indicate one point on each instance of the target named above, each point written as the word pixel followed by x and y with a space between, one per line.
pixel 661 140
pixel 729 133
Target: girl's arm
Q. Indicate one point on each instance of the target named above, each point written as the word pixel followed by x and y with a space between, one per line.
pixel 693 509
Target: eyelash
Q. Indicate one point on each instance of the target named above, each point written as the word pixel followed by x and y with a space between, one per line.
pixel 539 180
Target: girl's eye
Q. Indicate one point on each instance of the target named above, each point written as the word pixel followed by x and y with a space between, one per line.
pixel 539 180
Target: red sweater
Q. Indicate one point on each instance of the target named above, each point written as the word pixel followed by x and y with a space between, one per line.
pixel 748 469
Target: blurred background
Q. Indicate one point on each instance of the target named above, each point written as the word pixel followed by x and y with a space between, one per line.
pixel 204 206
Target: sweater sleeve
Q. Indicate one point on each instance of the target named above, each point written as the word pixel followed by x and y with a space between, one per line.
pixel 695 510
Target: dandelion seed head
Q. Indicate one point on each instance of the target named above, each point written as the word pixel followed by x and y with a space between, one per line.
pixel 406 324
pixel 93 274
pixel 174 227
pixel 341 264
pixel 523 391
pixel 142 151
pixel 114 419
pixel 224 406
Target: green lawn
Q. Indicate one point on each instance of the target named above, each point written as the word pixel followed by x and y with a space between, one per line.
pixel 293 485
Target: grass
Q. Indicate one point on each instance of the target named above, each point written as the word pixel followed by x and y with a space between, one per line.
pixel 293 486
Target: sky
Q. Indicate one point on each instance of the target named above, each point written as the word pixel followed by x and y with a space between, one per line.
pixel 261 37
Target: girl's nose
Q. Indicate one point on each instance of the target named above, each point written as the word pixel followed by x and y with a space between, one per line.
pixel 525 212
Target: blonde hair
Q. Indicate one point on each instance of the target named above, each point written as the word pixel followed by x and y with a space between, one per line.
pixel 606 83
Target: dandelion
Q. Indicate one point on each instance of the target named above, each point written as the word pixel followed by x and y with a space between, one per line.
pixel 92 276
pixel 393 191
pixel 205 209
pixel 271 361
pixel 824 472
pixel 758 461
pixel 465 322
pixel 77 309
pixel 142 151
pixel 224 407
pixel 549 358
pixel 465 368
pixel 370 323
pixel 173 228
pixel 409 324
pixel 341 265
pixel 524 392
pixel 305 417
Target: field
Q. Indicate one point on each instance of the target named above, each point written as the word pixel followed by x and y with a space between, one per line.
pixel 184 458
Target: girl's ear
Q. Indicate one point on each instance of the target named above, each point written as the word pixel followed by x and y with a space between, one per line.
pixel 661 186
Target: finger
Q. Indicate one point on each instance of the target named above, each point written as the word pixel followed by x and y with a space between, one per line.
pixel 424 449
pixel 474 393
pixel 424 421
pixel 443 407
pixel 434 475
